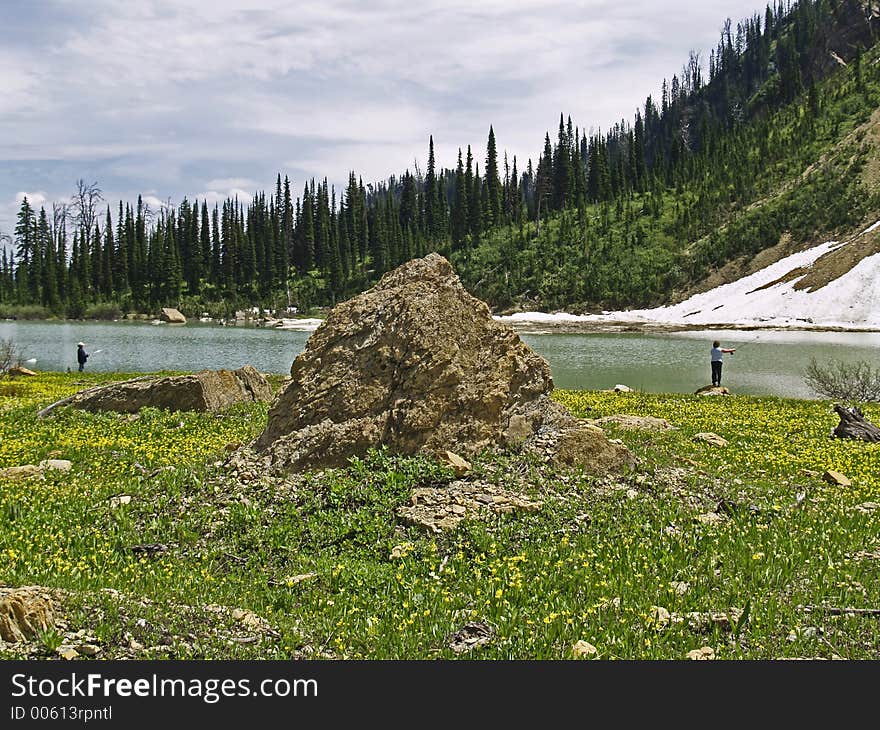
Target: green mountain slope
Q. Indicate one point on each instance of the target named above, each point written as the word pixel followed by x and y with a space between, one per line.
pixel 775 149
pixel 804 173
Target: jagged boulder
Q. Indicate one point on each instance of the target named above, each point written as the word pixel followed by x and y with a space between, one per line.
pixel 208 390
pixel 24 612
pixel 415 364
pixel 172 316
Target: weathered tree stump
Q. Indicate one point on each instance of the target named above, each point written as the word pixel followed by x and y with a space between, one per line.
pixel 854 425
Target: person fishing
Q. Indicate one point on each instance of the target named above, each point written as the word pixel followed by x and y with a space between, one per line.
pixel 81 355
pixel 717 357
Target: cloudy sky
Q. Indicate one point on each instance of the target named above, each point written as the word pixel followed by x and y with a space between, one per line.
pixel 185 97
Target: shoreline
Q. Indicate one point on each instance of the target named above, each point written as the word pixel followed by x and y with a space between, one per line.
pixel 549 324
pixel 587 327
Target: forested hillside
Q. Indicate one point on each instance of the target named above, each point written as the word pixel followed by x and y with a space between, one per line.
pixel 771 134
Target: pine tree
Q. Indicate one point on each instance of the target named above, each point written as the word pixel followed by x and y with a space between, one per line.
pixel 25 238
pixel 493 183
pixel 431 212
pixel 561 169
pixel 459 207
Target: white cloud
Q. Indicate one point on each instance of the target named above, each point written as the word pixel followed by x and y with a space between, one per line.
pixel 218 196
pixel 233 182
pixel 36 199
pixel 217 97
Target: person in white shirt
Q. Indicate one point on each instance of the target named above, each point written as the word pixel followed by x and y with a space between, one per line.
pixel 717 351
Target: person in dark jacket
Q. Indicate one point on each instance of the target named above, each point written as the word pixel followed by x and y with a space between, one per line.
pixel 81 355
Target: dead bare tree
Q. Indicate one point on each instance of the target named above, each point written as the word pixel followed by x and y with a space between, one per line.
pixel 9 355
pixel 60 214
pixel 854 425
pixel 84 205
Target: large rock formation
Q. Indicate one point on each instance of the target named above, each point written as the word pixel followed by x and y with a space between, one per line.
pixel 418 364
pixel 208 390
pixel 172 316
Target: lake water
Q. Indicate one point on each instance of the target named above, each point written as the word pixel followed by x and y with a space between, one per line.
pixel 765 363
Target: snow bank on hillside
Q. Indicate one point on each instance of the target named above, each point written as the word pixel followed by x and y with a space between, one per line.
pixel 851 301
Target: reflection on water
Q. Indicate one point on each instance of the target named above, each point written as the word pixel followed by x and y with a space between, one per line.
pixel 765 363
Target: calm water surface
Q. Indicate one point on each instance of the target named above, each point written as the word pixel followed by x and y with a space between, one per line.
pixel 765 363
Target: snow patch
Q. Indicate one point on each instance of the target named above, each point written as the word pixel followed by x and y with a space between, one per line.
pixel 851 301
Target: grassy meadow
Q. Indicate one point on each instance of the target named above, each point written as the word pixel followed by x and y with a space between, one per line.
pixel 743 549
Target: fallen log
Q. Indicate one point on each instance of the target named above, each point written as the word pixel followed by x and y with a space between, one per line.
pixel 854 425
pixel 88 391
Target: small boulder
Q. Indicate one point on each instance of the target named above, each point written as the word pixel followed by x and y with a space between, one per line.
pixel 470 636
pixel 56 464
pixel 439 509
pixel 458 465
pixel 208 390
pixel 660 616
pixel 704 653
pixel 624 420
pixel 584 445
pixel 19 371
pixel 835 477
pixel 711 438
pixel 24 612
pixel 25 471
pixel 583 649
pixel 712 390
pixel 172 316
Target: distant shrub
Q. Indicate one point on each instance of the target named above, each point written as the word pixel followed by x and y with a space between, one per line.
pixel 857 381
pixel 24 311
pixel 103 310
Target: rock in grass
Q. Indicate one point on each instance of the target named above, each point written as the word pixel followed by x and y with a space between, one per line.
pixel 24 613
pixel 660 615
pixel 439 509
pixel 624 420
pixel 835 477
pixel 470 636
pixel 452 460
pixel 18 372
pixel 867 508
pixel 416 364
pixel 56 464
pixel 712 390
pixel 704 653
pixel 293 580
pixel 711 438
pixel 89 649
pixel 208 390
pixel 25 471
pixel 583 649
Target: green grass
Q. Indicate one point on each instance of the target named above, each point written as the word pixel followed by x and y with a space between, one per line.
pixel 541 580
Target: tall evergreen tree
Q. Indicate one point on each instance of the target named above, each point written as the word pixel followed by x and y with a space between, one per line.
pixel 493 182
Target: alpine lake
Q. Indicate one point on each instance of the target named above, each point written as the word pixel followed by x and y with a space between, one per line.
pixel 766 362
